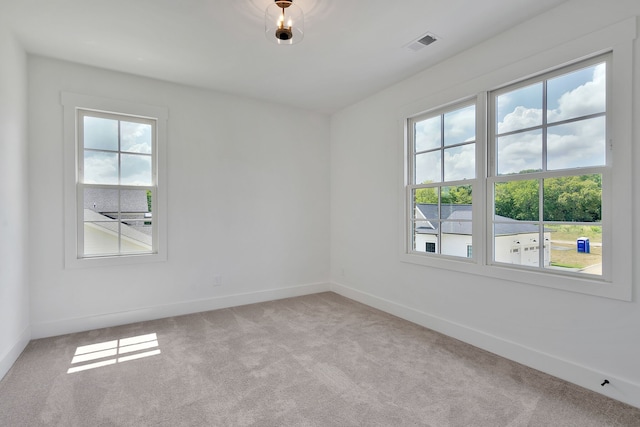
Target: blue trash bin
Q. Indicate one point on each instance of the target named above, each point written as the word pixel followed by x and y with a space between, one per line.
pixel 583 245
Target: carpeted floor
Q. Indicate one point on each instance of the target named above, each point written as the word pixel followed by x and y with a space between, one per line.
pixel 318 360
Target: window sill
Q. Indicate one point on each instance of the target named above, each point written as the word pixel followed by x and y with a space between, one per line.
pixel 110 261
pixel 595 286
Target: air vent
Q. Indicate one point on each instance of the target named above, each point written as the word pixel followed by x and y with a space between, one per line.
pixel 427 40
pixel 424 40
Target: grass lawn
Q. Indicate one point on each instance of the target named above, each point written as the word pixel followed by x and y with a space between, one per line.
pixel 564 251
pixel 571 258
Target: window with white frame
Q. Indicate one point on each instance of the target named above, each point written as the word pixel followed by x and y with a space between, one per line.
pixel 442 146
pixel 538 204
pixel 548 152
pixel 115 194
pixel 116 184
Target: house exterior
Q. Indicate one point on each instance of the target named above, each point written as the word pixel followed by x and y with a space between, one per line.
pixel 103 208
pixel 515 242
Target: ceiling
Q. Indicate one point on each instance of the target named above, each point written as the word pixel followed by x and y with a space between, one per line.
pixel 351 48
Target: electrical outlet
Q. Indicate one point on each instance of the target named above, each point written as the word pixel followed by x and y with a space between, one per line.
pixel 217 280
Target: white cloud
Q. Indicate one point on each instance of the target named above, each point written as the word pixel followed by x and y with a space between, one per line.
pixel 135 169
pixel 136 137
pixel 459 163
pixel 460 126
pixel 428 167
pixel 570 145
pixel 576 144
pixel 100 168
pixel 520 152
pixel 428 134
pixel 585 99
pixel 520 118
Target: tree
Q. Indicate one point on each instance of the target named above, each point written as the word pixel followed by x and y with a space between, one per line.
pixel 517 200
pixel 426 195
pixel 457 195
pixel 573 198
pixel 568 199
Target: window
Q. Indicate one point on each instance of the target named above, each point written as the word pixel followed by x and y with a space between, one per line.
pixel 547 197
pixel 442 155
pixel 548 164
pixel 116 184
pixel 115 197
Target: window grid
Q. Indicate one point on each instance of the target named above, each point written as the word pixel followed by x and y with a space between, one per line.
pixel 543 244
pixel 421 224
pixel 118 219
pixel 539 245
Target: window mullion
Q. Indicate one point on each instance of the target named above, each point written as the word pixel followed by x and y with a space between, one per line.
pixel 545 134
pixel 119 188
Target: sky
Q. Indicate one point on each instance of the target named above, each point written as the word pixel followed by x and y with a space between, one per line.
pixel 104 161
pixel 459 161
pixel 569 145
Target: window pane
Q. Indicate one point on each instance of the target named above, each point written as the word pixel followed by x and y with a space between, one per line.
pixel 456 238
pixel 517 243
pixel 520 153
pixel 136 137
pixel 134 239
pixel 577 94
pixel 460 126
pixel 100 134
pixel 576 248
pixel 136 169
pixel 577 144
pixel 460 162
pixel 425 203
pixel 516 200
pixel 100 221
pixel 136 221
pixel 427 134
pixel 134 201
pixel 428 167
pixel 519 109
pixel 455 202
pixel 101 201
pixel 425 236
pixel 100 167
pixel 573 198
pixel 101 238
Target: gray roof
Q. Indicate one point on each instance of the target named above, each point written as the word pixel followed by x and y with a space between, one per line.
pixel 106 200
pixel 458 221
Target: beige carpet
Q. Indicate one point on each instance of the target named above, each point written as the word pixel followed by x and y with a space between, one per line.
pixel 319 360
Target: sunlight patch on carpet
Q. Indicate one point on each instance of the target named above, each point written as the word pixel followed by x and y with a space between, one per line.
pixel 109 352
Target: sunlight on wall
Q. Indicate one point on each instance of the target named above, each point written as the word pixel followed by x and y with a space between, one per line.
pixel 111 352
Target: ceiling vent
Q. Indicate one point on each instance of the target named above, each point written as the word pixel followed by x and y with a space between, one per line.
pixel 423 41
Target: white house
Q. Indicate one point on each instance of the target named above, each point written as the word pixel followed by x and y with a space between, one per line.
pixel 515 242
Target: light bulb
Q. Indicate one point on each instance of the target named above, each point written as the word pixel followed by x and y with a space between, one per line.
pixel 279 27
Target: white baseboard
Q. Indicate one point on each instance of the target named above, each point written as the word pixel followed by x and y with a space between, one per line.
pixel 67 326
pixel 9 358
pixel 618 388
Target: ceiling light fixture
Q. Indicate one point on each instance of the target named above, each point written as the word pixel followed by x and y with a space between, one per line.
pixel 284 22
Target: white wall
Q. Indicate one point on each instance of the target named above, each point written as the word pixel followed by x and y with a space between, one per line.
pixel 14 287
pixel 248 194
pixel 578 337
